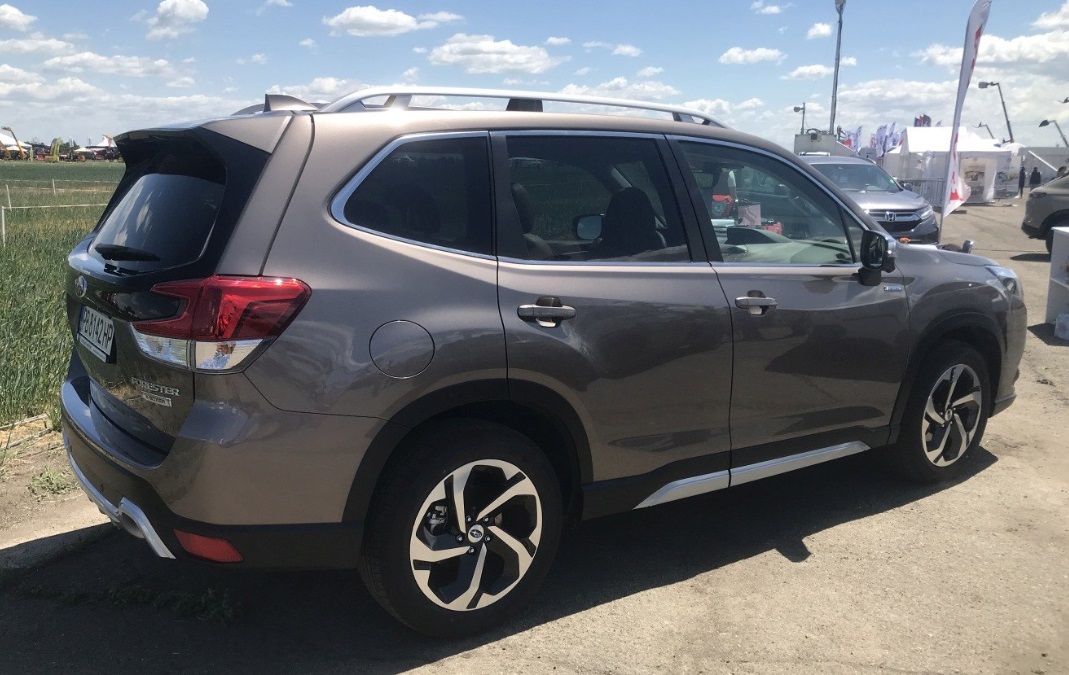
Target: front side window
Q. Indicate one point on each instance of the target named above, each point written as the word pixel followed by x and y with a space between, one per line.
pixel 433 191
pixel 762 211
pixel 582 198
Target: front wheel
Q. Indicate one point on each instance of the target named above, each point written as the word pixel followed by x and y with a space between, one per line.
pixel 464 528
pixel 945 416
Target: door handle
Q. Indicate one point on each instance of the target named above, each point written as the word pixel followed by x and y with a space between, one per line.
pixel 757 305
pixel 547 312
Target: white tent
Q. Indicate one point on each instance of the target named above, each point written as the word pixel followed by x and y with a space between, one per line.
pixel 105 142
pixel 988 168
pixel 8 141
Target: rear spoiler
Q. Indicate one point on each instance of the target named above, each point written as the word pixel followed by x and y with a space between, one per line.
pixel 279 102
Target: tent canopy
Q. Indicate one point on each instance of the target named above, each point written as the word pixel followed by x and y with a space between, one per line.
pixel 937 139
pixel 105 142
pixel 9 142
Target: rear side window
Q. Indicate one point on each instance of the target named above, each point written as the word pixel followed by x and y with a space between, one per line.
pixel 165 211
pixel 433 191
pixel 583 198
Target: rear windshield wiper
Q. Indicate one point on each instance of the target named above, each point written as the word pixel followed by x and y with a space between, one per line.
pixel 120 252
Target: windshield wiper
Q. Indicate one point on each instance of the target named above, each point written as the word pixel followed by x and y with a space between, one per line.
pixel 120 252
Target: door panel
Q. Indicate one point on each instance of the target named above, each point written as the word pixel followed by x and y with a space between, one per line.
pixel 828 356
pixel 818 357
pixel 645 360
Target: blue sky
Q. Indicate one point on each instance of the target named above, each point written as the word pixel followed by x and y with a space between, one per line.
pixel 82 69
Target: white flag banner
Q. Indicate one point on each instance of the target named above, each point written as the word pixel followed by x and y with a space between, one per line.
pixel 957 192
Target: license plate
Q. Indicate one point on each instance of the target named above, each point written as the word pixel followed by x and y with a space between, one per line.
pixel 96 332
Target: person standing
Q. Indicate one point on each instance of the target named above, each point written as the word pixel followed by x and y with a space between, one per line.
pixel 1020 182
pixel 1034 179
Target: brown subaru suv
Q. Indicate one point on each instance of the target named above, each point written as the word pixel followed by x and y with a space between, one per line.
pixel 394 335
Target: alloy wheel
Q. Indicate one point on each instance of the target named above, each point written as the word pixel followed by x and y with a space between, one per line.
pixel 951 415
pixel 476 535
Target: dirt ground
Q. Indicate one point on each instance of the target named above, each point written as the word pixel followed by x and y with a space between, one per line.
pixel 834 569
pixel 34 476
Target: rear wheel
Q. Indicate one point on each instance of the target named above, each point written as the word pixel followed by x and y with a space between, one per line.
pixel 463 530
pixel 946 415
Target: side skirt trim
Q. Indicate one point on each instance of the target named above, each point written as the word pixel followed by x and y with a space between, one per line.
pixel 696 485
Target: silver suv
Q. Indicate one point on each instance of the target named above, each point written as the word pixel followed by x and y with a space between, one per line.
pixel 900 211
pixel 419 341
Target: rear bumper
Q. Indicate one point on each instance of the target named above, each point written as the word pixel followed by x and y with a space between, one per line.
pixel 261 496
pixel 132 504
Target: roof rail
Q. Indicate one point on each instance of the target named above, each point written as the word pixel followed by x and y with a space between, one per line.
pixel 400 98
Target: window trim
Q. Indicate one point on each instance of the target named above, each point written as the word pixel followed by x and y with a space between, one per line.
pixel 846 212
pixel 341 197
pixel 503 196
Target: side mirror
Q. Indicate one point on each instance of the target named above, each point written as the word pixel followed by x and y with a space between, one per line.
pixel 907 186
pixel 588 227
pixel 877 255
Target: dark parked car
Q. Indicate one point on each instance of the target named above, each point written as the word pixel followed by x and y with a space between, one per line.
pixel 902 212
pixel 420 341
pixel 1047 207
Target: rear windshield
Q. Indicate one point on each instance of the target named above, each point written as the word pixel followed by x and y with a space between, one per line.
pixel 164 216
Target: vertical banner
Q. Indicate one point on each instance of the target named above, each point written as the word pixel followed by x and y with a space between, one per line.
pixel 957 192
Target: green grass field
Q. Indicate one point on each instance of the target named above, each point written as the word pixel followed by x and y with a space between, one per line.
pixel 35 340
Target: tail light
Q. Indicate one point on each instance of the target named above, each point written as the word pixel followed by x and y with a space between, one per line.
pixel 221 321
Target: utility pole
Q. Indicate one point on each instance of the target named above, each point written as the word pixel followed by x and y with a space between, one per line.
pixel 839 5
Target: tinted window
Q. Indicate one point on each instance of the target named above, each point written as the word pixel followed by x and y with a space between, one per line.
pixel 588 198
pixel 164 217
pixel 434 191
pixel 762 210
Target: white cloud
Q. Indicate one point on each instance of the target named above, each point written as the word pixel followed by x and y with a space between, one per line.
pixel 273 3
pixel 370 21
pixel 62 89
pixel 750 104
pixel 1059 18
pixel 181 83
pixel 650 71
pixel 616 49
pixel 308 43
pixel 585 70
pixel 13 75
pixel 175 17
pixel 848 61
pixel 558 41
pixel 818 30
pixel 483 54
pixel 759 7
pixel 1045 53
pixel 319 89
pixel 13 18
pixel 254 60
pixel 419 50
pixel 814 72
pixel 738 55
pixel 130 66
pixel 717 107
pixel 620 87
pixel 410 75
pixel 34 46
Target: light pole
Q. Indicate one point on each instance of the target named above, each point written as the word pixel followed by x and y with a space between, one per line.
pixel 985 85
pixel 801 109
pixel 1055 123
pixel 981 125
pixel 839 5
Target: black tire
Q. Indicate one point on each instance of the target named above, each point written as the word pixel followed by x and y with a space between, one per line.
pixel 936 444
pixel 484 578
